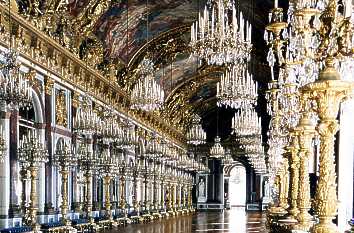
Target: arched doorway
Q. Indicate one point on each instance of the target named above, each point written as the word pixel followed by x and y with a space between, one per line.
pixel 237 186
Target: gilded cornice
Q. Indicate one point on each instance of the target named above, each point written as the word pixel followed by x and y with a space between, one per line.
pixel 42 50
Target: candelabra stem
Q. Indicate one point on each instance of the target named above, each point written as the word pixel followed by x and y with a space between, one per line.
pixel 107 184
pixel 284 187
pixel 294 179
pixel 122 203
pixel 32 217
pixel 88 207
pixel 24 204
pixel 64 192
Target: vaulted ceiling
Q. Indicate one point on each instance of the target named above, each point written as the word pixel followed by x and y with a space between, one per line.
pixel 133 29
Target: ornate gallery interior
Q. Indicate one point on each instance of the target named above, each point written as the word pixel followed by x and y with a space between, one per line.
pixel 176 116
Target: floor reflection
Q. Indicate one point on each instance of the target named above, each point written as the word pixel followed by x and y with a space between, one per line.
pixel 235 220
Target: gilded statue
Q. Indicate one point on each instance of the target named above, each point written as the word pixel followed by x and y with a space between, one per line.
pixel 60 108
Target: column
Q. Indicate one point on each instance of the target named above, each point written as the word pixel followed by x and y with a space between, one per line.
pixel 14 209
pixel 5 173
pixel 49 194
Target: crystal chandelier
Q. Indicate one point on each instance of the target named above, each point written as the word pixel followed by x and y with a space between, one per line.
pixel 236 88
pixel 64 156
pixel 217 150
pixel 147 94
pixel 126 134
pixel 31 151
pixel 14 85
pixel 246 123
pixel 196 135
pixel 87 121
pixel 110 128
pixel 219 38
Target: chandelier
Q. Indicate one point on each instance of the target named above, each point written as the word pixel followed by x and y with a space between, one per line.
pixel 64 156
pixel 196 135
pixel 126 135
pixel 246 123
pixel 147 94
pixel 87 121
pixel 219 38
pixel 236 88
pixel 217 150
pixel 107 163
pixel 15 87
pixel 31 151
pixel 110 128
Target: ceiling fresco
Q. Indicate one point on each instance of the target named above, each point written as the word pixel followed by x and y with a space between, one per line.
pixel 181 68
pixel 123 30
pixel 122 17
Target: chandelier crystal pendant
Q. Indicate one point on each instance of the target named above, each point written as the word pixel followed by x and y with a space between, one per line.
pixel 217 150
pixel 196 135
pixel 236 88
pixel 147 94
pixel 15 88
pixel 219 38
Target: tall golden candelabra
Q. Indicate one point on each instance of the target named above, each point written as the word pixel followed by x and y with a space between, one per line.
pixel 32 154
pixel 64 159
pixel 328 92
pixel 306 132
pixel 294 177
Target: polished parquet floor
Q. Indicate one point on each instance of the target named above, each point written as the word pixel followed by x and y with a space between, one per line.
pixel 235 221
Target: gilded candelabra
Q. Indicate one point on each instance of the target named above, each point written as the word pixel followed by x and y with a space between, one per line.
pixel 64 159
pixel 107 168
pixel 88 163
pixel 32 154
pixel 327 92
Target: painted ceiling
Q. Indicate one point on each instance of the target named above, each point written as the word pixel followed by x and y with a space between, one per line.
pixel 128 26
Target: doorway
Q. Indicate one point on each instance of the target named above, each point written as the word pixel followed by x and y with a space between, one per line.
pixel 237 186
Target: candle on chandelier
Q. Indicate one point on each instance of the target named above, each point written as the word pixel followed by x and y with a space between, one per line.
pixel 276 4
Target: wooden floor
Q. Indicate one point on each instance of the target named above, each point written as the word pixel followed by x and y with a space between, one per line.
pixel 235 221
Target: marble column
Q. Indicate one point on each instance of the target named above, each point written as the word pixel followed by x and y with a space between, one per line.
pixel 5 173
pixel 14 210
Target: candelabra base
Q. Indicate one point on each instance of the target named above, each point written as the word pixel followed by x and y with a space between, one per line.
pixel 325 227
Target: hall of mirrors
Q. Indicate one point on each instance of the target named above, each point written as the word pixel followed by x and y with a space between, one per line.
pixel 176 116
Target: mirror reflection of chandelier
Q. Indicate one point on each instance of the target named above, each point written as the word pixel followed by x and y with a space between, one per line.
pixel 15 88
pixel 217 151
pixel 236 88
pixel 196 135
pixel 219 38
pixel 147 94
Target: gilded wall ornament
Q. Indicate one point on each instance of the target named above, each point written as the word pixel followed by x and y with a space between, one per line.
pixel 61 113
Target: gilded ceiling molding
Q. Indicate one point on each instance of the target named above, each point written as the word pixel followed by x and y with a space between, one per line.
pixel 160 50
pixel 163 38
pixel 42 50
pixel 177 108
